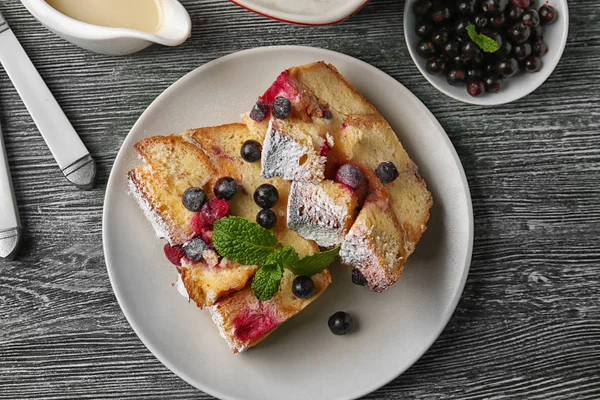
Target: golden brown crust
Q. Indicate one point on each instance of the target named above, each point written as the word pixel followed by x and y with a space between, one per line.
pixel 267 315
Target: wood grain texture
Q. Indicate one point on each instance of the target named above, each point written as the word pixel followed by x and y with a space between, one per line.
pixel 528 324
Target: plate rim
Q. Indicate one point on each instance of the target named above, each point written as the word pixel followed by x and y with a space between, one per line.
pixel 299 19
pixel 320 53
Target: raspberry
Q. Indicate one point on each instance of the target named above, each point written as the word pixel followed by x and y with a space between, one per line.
pixel 197 226
pixel 213 210
pixel 174 254
pixel 350 175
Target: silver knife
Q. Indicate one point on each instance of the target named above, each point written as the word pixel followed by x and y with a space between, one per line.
pixel 65 145
pixel 10 224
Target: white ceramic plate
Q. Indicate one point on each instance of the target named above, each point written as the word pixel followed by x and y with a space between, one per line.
pixel 307 12
pixel 516 87
pixel 301 359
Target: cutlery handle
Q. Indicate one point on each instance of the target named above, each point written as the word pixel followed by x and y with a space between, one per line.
pixel 67 148
pixel 10 225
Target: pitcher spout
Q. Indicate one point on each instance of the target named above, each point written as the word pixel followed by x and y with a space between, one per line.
pixel 176 24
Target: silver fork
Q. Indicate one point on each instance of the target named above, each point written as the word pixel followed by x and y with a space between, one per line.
pixel 10 224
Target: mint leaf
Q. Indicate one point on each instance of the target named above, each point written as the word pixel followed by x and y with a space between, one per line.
pixel 285 257
pixel 486 43
pixel 311 265
pixel 243 241
pixel 265 283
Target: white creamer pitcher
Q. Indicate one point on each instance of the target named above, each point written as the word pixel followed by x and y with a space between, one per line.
pixel 174 30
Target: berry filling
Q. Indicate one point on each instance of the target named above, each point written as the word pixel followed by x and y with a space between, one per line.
pixel 250 325
pixel 282 86
pixel 324 150
pixel 213 210
pixel 174 254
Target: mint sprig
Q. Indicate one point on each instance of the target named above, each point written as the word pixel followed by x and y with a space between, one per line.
pixel 248 243
pixel 266 281
pixel 316 263
pixel 486 43
pixel 242 241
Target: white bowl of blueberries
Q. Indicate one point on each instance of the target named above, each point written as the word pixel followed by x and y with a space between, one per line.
pixel 486 52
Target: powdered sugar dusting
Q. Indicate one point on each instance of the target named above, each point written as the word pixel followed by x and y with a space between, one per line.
pixel 219 321
pixel 314 215
pixel 159 225
pixel 357 252
pixel 284 157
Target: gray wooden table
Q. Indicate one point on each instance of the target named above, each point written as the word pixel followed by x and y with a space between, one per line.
pixel 528 324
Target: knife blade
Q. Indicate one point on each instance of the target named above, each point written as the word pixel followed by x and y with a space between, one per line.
pixel 10 224
pixel 65 145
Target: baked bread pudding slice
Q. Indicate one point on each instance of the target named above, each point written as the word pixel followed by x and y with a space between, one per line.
pixel 389 211
pixel 244 321
pixel 198 158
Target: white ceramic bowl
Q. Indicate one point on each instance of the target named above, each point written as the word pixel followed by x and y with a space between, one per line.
pixel 306 12
pixel 516 87
pixel 175 29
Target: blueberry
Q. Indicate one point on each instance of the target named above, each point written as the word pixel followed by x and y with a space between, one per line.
pixel 475 87
pixel 387 172
pixel 491 70
pixel 521 51
pixel 456 76
pixel 460 27
pixel 481 21
pixel 193 199
pixel 194 248
pixel 508 66
pixel 358 278
pixel 251 151
pixel 474 73
pixel 259 112
pixel 266 195
pixel 493 84
pixel 505 48
pixel 326 113
pixel 441 13
pixel 539 47
pixel 493 6
pixel 423 29
pixel 266 218
pixel 533 64
pixel 519 33
pixel 466 7
pixel 440 37
pixel 498 21
pixel 531 18
pixel 458 62
pixel 303 287
pixel 515 13
pixel 340 323
pixel 422 7
pixel 282 108
pixel 548 14
pixel 436 65
pixel 426 49
pixel 470 49
pixel 225 188
pixel 452 48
